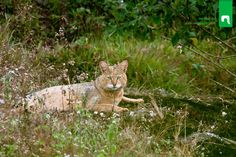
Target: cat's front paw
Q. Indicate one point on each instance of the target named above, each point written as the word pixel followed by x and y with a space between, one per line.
pixel 120 109
pixel 140 100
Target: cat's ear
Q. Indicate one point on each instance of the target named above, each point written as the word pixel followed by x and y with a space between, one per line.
pixel 124 65
pixel 103 66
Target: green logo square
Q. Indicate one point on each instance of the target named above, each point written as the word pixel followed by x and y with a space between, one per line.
pixel 226 13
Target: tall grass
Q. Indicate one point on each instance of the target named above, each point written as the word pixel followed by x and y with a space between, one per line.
pixel 88 134
pixel 153 66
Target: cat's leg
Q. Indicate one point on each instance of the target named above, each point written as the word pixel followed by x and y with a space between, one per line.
pixel 107 108
pixel 125 99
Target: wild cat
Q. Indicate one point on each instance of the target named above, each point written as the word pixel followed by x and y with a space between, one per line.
pixel 104 94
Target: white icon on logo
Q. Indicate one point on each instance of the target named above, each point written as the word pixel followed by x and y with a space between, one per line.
pixel 223 17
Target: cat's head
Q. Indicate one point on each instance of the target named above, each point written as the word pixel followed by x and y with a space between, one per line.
pixel 114 77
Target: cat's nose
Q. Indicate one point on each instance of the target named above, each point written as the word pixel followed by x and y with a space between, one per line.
pixel 114 83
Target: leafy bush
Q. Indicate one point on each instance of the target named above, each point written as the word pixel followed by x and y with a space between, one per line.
pixel 49 42
pixel 184 21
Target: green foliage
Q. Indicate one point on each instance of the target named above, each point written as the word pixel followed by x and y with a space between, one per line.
pixel 82 134
pixel 185 22
pixel 49 42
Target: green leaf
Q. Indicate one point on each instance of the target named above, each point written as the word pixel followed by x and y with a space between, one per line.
pixel 157 20
pixel 192 34
pixel 175 39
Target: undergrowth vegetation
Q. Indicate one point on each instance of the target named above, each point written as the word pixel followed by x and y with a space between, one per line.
pixel 187 79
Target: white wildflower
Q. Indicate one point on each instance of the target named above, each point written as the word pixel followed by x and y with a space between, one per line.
pixel 223 114
pixel 116 115
pixel 11 72
pixel 1 101
pixel 131 113
pixel 179 47
pixel 69 133
pixel 47 116
pixel 114 122
pixel 152 114
pixel 71 62
pixel 78 112
pixel 102 114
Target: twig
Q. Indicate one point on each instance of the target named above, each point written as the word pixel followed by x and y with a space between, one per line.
pixel 231 38
pixel 226 57
pixel 223 85
pixel 153 102
pixel 217 38
pixel 205 51
pixel 200 137
pixel 218 65
pixel 213 55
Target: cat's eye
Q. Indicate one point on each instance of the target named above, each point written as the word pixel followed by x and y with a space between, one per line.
pixel 109 77
pixel 118 77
